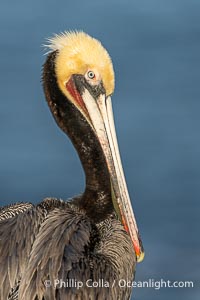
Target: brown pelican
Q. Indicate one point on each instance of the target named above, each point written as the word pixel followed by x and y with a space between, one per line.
pixel 87 247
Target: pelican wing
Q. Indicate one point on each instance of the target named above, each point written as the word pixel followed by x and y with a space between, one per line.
pixel 60 243
pixel 18 226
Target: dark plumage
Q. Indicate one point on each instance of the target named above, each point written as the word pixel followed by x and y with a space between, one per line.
pixel 82 239
pixel 55 240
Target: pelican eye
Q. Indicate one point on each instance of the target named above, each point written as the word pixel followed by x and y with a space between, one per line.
pixel 90 75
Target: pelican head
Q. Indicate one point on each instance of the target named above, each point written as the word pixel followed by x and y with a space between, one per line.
pixel 85 76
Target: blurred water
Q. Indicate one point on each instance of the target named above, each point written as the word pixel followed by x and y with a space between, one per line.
pixel 155 46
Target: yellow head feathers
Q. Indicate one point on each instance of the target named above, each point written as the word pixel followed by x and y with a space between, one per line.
pixel 77 53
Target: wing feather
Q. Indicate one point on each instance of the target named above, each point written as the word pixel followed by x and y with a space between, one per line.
pixel 17 233
pixel 60 242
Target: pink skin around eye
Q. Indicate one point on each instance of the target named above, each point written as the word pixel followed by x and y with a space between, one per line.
pixel 97 78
